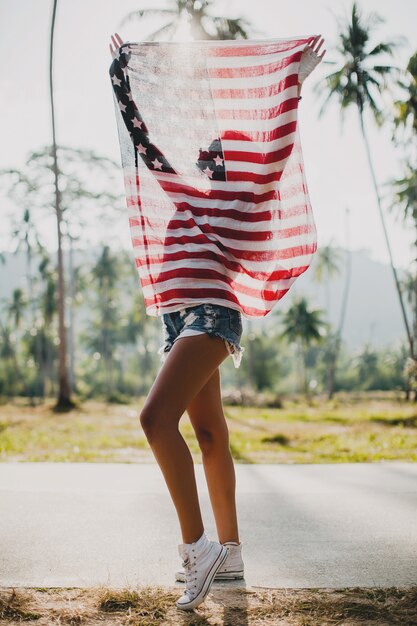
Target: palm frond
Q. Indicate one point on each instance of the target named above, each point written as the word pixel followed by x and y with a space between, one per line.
pixel 412 66
pixel 386 47
pixel 384 69
pixel 228 28
pixel 377 112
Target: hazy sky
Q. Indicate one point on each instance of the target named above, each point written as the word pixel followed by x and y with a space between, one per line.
pixel 336 167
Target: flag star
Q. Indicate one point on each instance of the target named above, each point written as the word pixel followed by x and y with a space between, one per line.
pixel 141 149
pixel 116 81
pixel 208 172
pixel 122 106
pixel 218 160
pixel 157 165
pixel 137 123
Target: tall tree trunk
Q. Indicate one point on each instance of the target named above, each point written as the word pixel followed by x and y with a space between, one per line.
pixel 338 339
pixel 71 347
pixel 64 401
pixel 381 214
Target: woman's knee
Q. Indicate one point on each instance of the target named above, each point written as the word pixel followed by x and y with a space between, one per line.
pixel 146 420
pixel 154 419
pixel 210 440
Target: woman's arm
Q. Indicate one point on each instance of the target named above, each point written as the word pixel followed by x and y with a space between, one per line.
pixel 153 158
pixel 309 59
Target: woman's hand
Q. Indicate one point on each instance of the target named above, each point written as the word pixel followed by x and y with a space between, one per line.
pixel 117 41
pixel 313 47
pixel 309 59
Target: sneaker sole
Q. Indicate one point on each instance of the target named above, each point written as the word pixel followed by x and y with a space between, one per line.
pixel 239 574
pixel 207 583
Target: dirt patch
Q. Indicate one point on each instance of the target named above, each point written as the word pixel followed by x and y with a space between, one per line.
pixel 251 606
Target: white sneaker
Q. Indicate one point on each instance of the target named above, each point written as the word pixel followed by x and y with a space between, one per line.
pixel 201 560
pixel 231 569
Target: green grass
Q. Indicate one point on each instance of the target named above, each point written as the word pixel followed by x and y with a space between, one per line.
pixel 347 429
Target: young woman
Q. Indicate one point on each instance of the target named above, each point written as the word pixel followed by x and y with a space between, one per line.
pixel 197 340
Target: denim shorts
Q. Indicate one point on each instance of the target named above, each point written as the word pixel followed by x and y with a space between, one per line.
pixel 213 319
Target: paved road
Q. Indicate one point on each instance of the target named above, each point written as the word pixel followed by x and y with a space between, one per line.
pixel 80 524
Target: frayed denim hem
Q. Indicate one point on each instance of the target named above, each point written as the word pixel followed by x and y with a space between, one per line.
pixel 236 352
pixel 234 349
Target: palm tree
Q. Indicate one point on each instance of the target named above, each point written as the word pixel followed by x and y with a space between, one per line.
pixel 334 355
pixel 406 110
pixel 139 329
pixel 302 326
pixel 367 366
pixel 405 188
pixel 88 191
pixel 409 287
pixel 104 332
pixel 405 200
pixel 327 265
pixel 15 311
pixel 406 197
pixel 359 81
pixel 77 286
pixel 17 307
pixel 48 310
pixel 203 25
pixel 25 235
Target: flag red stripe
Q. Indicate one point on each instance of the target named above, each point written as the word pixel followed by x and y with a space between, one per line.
pixel 248 255
pixel 247 216
pixel 256 92
pixel 253 70
pixel 253 50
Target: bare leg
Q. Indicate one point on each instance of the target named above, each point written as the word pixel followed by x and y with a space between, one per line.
pixel 190 363
pixel 206 414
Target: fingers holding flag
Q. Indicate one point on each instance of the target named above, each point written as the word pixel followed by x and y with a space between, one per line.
pixel 316 48
pixel 117 42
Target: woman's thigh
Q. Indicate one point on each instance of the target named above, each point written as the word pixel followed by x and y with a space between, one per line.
pixel 189 365
pixel 206 409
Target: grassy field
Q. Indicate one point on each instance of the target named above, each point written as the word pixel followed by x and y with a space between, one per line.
pixel 347 429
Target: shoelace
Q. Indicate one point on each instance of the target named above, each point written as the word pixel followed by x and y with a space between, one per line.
pixel 188 566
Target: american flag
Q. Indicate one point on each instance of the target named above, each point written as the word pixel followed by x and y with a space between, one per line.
pixel 218 204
